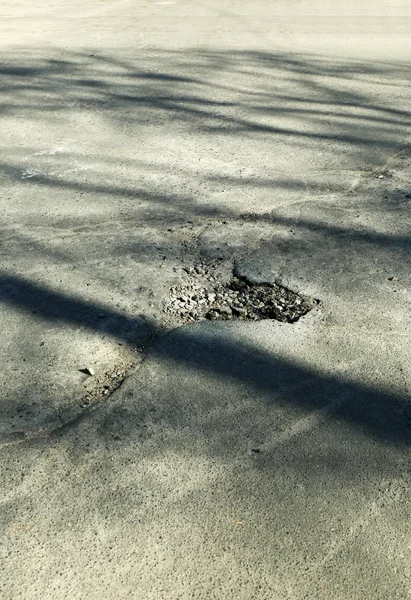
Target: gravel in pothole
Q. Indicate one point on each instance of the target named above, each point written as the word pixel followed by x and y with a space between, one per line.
pixel 204 297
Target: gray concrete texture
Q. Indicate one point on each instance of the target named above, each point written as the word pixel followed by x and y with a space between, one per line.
pixel 255 460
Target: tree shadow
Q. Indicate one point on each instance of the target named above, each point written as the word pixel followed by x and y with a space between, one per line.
pixel 49 305
pixel 281 100
pixel 236 91
pixel 208 350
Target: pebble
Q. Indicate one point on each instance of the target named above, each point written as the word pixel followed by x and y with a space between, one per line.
pixel 224 300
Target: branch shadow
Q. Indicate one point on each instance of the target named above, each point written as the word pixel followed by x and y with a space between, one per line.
pixel 52 306
pixel 246 96
pixel 237 91
pixel 209 354
pixel 378 414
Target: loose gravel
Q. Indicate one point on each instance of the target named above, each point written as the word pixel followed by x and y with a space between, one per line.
pixel 206 296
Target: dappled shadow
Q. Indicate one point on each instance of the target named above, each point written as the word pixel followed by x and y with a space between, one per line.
pixel 252 94
pixel 384 416
pixel 263 448
pixel 333 114
pixel 306 125
pixel 268 128
pixel 154 80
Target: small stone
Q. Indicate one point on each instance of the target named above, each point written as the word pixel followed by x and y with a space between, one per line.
pixel 88 371
pixel 238 311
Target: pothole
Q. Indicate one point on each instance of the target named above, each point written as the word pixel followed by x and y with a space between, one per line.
pixel 207 295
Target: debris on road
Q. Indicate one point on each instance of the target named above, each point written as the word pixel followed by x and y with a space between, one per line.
pixel 206 296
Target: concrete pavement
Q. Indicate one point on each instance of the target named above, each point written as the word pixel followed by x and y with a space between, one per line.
pixel 218 460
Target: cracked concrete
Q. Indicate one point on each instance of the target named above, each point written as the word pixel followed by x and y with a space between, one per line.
pixel 224 460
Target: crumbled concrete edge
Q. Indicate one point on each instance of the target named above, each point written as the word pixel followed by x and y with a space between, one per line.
pixel 212 293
